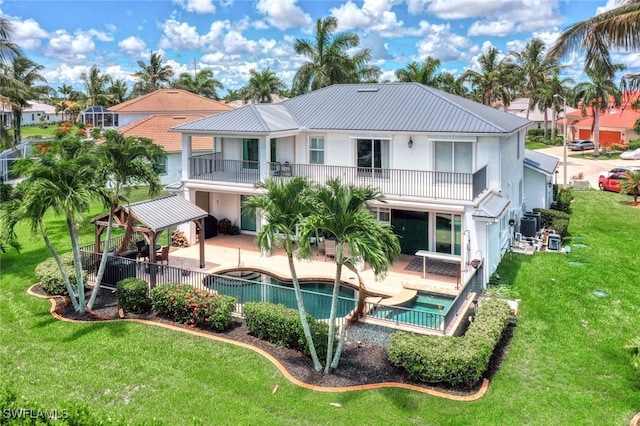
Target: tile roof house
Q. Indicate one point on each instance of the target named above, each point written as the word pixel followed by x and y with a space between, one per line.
pixel 153 114
pixel 451 169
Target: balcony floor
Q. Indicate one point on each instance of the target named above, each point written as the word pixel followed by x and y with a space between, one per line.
pixel 226 252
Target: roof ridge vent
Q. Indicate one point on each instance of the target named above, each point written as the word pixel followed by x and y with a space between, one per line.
pixel 367 89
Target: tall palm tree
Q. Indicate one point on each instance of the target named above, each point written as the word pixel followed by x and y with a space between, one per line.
pixel 616 28
pixel 232 95
pixel 493 80
pixel 451 84
pixel 424 72
pixel 328 60
pixel 95 83
pixel 561 87
pixel 153 76
pixel 25 73
pixel 598 94
pixel 202 84
pixel 283 208
pixel 118 91
pixel 62 180
pixel 535 68
pixel 261 86
pixel 125 162
pixel 8 49
pixel 341 212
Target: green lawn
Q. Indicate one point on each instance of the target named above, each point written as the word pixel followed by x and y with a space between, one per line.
pixel 566 364
pixel 37 132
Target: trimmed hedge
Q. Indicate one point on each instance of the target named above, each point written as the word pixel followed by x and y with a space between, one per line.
pixel 554 219
pixel 132 296
pixel 453 360
pixel 282 326
pixel 50 278
pixel 190 306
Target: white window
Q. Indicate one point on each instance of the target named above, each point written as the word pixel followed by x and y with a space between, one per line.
pixel 454 157
pixel 161 165
pixel 382 214
pixel 316 150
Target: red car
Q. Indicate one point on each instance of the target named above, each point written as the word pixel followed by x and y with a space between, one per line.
pixel 612 181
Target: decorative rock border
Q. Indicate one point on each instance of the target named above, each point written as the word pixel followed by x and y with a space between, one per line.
pixel 463 398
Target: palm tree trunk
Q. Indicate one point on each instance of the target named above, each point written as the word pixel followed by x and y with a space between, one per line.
pixel 303 313
pixel 63 270
pixel 596 130
pixel 77 260
pixel 334 307
pixel 343 335
pixel 103 262
pixel 361 293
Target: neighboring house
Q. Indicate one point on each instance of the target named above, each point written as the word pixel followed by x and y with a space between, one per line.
pixel 166 101
pixel 451 169
pixel 240 103
pixel 615 127
pixel 31 115
pixel 156 127
pixel 520 107
pixel 539 177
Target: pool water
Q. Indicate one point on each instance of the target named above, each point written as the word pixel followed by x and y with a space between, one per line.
pixel 257 287
pixel 426 310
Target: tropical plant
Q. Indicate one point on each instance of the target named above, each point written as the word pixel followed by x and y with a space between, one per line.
pixel 328 59
pixel 492 82
pixel 124 162
pixel 24 73
pixel 8 49
pixel 598 94
pixel 424 72
pixel 202 84
pixel 340 212
pixel 95 83
pixel 283 207
pixel 631 185
pixel 261 86
pixel 451 84
pixel 232 95
pixel 153 76
pixel 64 179
pixel 118 91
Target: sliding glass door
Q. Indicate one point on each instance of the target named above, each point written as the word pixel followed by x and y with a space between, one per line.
pixel 250 156
pixel 448 233
pixel 372 156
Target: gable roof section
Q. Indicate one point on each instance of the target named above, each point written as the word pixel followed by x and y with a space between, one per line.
pixel 401 107
pixel 170 101
pixel 545 163
pixel 156 128
pixel 491 208
pixel 161 213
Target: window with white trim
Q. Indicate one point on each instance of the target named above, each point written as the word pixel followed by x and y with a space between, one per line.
pixel 316 150
pixel 382 214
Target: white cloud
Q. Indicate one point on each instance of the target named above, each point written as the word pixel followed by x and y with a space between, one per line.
pixel 611 4
pixel 179 35
pixel 132 45
pixel 497 28
pixel 28 34
pixel 197 6
pixel 283 14
pixel 373 16
pixel 235 42
pixel 439 42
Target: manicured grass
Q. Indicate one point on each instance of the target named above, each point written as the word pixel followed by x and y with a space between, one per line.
pixel 566 364
pixel 536 145
pixel 37 132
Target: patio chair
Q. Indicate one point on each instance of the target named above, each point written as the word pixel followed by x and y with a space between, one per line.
pixel 143 250
pixel 329 249
pixel 162 256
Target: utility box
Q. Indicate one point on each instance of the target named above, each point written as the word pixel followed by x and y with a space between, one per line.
pixel 553 242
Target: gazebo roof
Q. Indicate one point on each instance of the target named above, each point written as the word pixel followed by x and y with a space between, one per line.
pixel 160 213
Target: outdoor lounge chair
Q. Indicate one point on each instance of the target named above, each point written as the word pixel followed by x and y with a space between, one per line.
pixel 162 256
pixel 329 249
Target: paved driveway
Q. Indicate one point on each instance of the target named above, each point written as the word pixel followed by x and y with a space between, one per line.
pixel 591 168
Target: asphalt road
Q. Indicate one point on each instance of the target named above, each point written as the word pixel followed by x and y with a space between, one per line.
pixel 590 167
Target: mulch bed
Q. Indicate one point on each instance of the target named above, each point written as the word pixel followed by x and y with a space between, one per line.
pixel 360 363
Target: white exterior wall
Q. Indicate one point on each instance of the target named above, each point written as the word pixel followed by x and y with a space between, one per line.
pixel 126 118
pixel 537 192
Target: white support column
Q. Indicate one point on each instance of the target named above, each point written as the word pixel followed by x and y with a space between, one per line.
pixel 264 154
pixel 186 156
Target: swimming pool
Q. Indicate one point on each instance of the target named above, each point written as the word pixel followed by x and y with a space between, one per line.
pixel 425 310
pixel 250 286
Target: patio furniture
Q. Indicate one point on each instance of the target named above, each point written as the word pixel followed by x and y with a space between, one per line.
pixel 143 250
pixel 163 255
pixel 329 249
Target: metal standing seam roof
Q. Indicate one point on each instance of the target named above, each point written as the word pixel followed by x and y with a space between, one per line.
pixel 161 213
pixel 543 162
pixel 400 107
pixel 492 207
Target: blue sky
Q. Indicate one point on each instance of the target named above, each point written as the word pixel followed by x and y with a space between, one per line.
pixel 231 37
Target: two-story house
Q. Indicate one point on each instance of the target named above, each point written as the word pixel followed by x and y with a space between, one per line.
pixel 451 169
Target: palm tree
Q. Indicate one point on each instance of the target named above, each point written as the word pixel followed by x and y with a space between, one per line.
pixel 600 93
pixel 8 49
pixel 631 185
pixel 329 63
pixel 153 76
pixel 341 212
pixel 202 84
pixel 125 162
pixel 616 28
pixel 283 208
pixel 424 73
pixel 535 69
pixel 118 91
pixel 450 84
pixel 64 180
pixel 95 83
pixel 232 95
pixel 558 86
pixel 493 80
pixel 261 86
pixel 25 73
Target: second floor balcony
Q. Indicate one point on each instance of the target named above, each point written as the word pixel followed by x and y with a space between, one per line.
pixel 391 182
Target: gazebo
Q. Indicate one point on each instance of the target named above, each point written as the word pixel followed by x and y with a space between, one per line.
pixel 151 218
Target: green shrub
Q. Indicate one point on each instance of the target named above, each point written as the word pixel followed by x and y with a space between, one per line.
pixel 453 360
pixel 190 306
pixel 282 326
pixel 5 192
pixel 563 200
pixel 50 278
pixel 555 220
pixel 132 295
pixel 633 145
